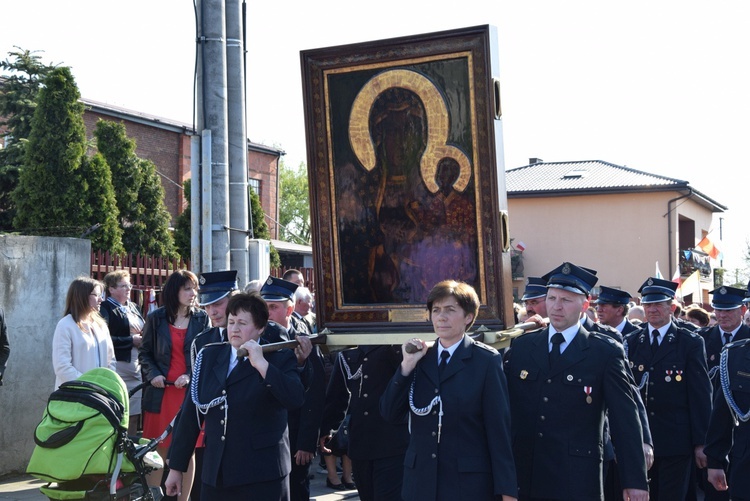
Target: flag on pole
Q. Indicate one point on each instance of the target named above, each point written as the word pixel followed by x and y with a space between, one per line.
pixel 709 247
pixel 691 285
pixel 521 246
pixel 677 278
pixel 657 273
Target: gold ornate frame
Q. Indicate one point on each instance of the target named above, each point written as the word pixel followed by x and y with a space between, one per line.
pixel 404 150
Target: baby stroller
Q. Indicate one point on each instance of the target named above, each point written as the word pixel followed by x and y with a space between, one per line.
pixel 82 447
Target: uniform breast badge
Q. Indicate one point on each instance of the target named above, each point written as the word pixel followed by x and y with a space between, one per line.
pixel 640 368
pixel 524 374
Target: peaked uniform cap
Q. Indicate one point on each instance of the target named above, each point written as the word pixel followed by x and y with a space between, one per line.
pixel 278 289
pixel 657 290
pixel 727 298
pixel 535 287
pixel 215 285
pixel 612 296
pixel 571 278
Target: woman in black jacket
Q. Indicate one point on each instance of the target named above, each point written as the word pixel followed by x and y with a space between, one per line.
pixel 125 324
pixel 165 357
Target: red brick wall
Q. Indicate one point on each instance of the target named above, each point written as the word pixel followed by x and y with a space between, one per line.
pixel 265 167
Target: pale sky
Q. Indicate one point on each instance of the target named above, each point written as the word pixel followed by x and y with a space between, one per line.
pixel 659 86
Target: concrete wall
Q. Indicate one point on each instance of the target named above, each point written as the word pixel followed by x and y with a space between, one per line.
pixel 34 276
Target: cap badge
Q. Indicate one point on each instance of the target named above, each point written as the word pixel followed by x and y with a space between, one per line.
pixel 269 281
pixel 566 269
pixel 723 291
pixel 202 280
pixel 650 281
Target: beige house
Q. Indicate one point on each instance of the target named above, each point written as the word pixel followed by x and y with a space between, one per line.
pixel 619 221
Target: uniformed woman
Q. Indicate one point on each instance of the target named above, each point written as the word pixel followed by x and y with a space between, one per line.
pixel 460 445
pixel 244 404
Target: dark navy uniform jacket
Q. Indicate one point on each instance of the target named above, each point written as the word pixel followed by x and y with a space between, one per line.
pixel 678 393
pixel 370 436
pixel 715 343
pixel 473 459
pixel 255 446
pixel 727 437
pixel 558 416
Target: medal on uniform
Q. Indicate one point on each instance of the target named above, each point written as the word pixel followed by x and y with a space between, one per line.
pixel 678 377
pixel 524 374
pixel 588 389
pixel 669 376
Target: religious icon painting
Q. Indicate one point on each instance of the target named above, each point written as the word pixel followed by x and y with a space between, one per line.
pixel 404 140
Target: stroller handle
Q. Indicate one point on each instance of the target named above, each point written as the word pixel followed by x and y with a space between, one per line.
pixel 143 385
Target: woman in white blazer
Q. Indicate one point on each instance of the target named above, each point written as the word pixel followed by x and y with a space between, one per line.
pixel 81 341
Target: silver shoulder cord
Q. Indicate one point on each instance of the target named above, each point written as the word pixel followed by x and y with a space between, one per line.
pixel 203 408
pixel 724 376
pixel 644 379
pixel 425 410
pixel 347 372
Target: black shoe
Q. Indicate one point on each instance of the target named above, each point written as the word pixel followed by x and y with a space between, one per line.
pixel 335 487
pixel 349 485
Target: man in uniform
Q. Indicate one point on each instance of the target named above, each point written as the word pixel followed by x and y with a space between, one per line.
pixel 729 309
pixel 669 365
pixel 534 300
pixel 304 423
pixel 214 290
pixel 729 429
pixel 613 306
pixel 562 382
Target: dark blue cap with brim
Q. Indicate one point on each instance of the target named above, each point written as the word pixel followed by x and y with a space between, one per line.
pixel 214 286
pixel 572 278
pixel 278 289
pixel 727 298
pixel 657 290
pixel 612 296
pixel 535 287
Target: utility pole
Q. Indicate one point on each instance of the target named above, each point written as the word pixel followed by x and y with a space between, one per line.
pixel 212 117
pixel 238 194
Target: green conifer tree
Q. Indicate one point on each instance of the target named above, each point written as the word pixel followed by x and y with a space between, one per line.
pixel 144 218
pixel 60 191
pixel 23 73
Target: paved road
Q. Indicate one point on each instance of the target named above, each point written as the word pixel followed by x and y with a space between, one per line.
pixel 26 488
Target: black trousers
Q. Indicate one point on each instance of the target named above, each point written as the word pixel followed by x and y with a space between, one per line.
pixel 299 481
pixel 272 490
pixel 379 479
pixel 669 478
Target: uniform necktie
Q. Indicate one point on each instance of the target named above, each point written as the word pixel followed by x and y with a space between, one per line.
pixel 654 341
pixel 554 354
pixel 444 356
pixel 727 337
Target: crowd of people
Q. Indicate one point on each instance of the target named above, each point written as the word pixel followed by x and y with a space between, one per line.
pixel 617 397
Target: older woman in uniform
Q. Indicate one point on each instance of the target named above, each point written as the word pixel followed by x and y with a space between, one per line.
pixel 243 406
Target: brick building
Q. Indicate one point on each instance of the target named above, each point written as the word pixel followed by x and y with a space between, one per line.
pixel 167 143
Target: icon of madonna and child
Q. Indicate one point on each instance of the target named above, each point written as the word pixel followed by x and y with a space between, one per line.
pixel 405 195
